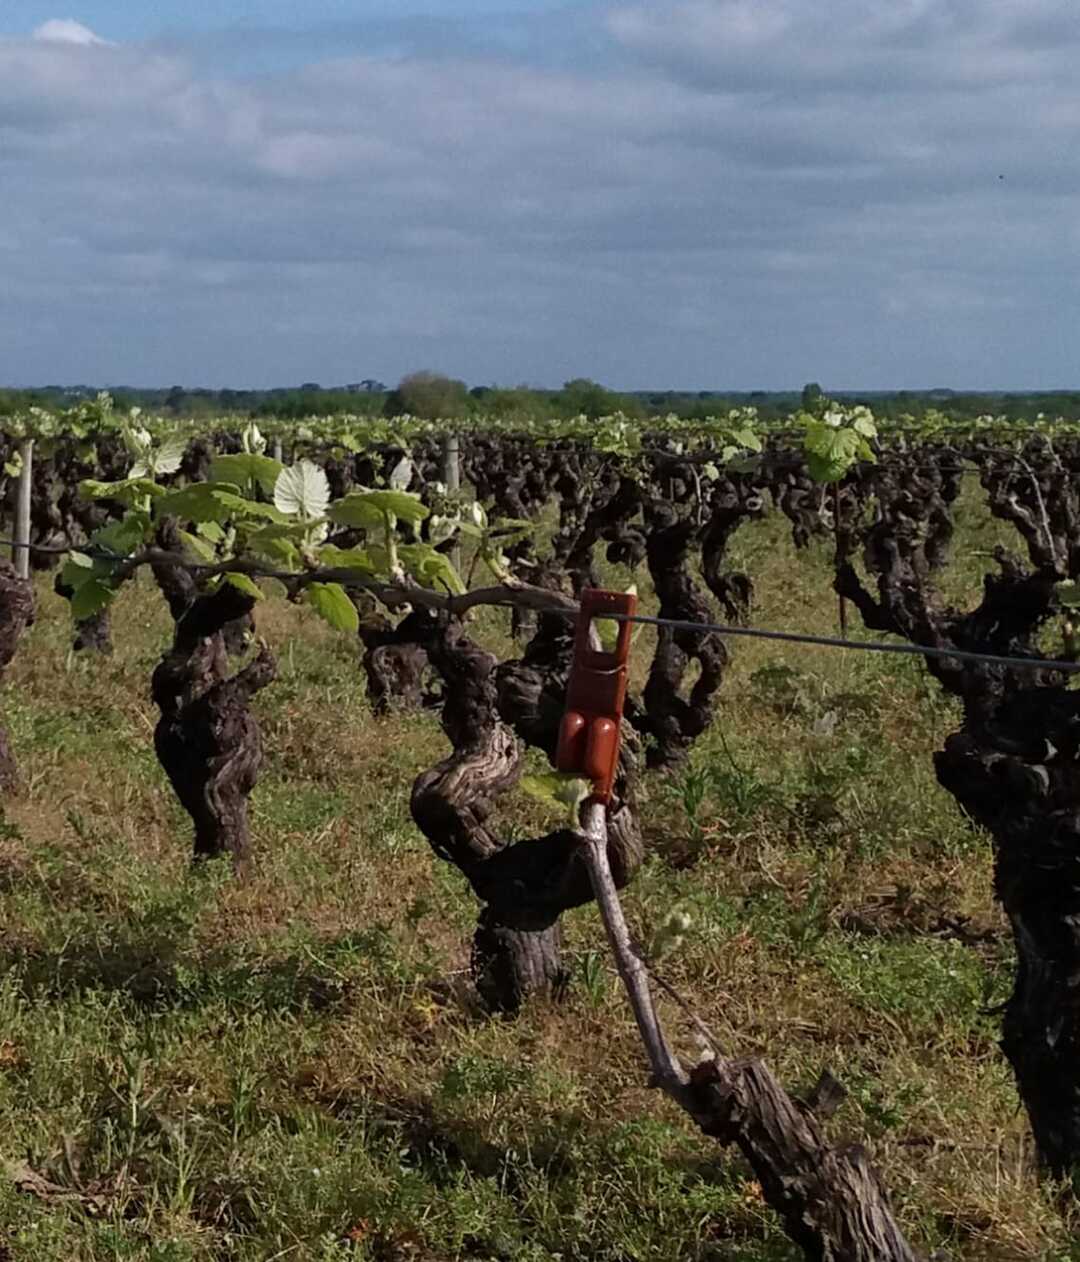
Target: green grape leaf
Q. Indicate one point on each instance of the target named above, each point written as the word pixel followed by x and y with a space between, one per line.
pixel 398 505
pixel 433 568
pixel 607 629
pixel 830 450
pixel 124 536
pixel 563 790
pixel 379 560
pixel 331 602
pixel 346 558
pixel 244 583
pixel 130 491
pixel 282 553
pixel 203 550
pixel 202 502
pixel 168 457
pixel 747 438
pixel 77 570
pixel 357 511
pixel 288 529
pixel 247 469
pixel 90 598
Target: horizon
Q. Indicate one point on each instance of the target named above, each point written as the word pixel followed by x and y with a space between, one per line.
pixel 721 391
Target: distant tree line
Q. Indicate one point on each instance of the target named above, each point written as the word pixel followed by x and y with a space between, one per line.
pixel 431 394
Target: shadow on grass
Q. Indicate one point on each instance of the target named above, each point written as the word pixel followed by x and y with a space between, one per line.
pixel 159 973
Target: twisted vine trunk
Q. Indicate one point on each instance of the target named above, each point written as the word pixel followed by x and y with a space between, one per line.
pixel 16 614
pixel 1018 775
pixel 207 740
pixel 1014 764
pixel 395 660
pixel 675 721
pixel 525 886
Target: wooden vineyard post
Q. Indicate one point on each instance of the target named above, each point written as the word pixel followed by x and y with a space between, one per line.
pixel 21 550
pixel 836 536
pixel 451 453
pixel 451 471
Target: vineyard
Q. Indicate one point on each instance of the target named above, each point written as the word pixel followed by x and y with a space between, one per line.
pixel 303 954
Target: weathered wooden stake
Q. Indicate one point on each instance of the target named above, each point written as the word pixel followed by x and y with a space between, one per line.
pixel 451 454
pixel 452 462
pixel 21 550
pixel 830 1200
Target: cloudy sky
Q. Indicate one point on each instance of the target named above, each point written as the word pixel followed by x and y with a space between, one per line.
pixel 667 193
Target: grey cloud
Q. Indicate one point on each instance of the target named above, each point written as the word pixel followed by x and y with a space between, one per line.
pixel 853 45
pixel 723 201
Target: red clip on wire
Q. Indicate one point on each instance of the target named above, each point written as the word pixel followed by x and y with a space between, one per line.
pixel 590 733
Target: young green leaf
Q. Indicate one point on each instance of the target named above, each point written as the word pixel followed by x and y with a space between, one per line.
pixel 202 550
pixel 560 789
pixel 243 583
pixel 357 511
pixel 90 598
pixel 607 629
pixel 346 559
pixel 201 502
pixel 130 491
pixel 279 550
pixel 247 470
pixel 331 601
pixel 433 568
pixel 830 451
pixel 400 505
pixel 124 536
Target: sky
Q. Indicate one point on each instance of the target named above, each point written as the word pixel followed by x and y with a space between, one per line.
pixel 683 194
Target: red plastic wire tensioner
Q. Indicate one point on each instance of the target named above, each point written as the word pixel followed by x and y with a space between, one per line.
pixel 590 733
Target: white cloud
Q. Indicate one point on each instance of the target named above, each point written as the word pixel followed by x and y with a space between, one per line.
pixel 66 31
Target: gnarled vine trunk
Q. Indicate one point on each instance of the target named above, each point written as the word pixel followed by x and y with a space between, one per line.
pixel 1013 764
pixel 207 739
pixel 524 886
pixel 395 659
pixel 673 720
pixel 1017 774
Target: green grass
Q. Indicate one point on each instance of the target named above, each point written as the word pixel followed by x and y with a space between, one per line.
pixel 295 1068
